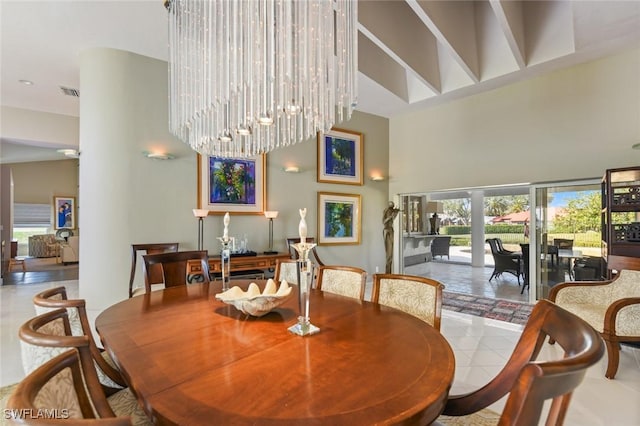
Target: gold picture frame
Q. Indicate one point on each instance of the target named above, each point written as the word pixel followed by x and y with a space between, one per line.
pixel 237 186
pixel 339 218
pixel 340 157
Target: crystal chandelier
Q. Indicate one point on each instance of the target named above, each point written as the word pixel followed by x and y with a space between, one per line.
pixel 248 76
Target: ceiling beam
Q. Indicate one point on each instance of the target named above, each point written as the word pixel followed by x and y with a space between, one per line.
pixel 453 25
pixel 511 20
pixel 395 28
pixel 381 68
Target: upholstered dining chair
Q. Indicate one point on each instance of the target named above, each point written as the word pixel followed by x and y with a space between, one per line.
pixel 46 336
pixel 529 381
pixel 58 387
pixel 174 268
pixel 313 254
pixel 418 296
pixel 286 270
pixel 56 298
pixel 611 307
pixel 156 273
pixel 343 280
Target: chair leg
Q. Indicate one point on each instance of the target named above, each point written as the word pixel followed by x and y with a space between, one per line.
pixel 613 353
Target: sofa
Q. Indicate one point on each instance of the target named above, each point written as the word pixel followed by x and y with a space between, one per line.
pixel 43 245
pixel 70 250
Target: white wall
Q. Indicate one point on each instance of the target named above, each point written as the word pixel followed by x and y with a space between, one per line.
pixel 127 198
pixel 38 182
pixel 569 124
pixel 41 127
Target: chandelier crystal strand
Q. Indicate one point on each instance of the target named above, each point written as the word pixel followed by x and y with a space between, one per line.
pixel 247 77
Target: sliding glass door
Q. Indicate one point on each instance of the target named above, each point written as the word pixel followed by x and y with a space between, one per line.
pixel 567 231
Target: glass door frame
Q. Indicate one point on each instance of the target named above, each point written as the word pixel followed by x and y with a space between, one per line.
pixel 539 226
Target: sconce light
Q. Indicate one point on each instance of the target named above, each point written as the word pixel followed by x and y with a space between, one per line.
pixel 200 214
pixel 377 178
pixel 270 215
pixel 71 153
pixel 158 155
pixel 291 169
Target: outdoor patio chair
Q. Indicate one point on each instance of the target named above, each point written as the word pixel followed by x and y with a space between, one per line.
pixel 503 262
pixel 440 246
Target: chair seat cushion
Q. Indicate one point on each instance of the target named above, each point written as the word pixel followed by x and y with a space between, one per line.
pixel 124 403
pixel 484 417
pixel 104 379
pixel 138 291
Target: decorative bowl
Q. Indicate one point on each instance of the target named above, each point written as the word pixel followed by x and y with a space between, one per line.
pixel 254 303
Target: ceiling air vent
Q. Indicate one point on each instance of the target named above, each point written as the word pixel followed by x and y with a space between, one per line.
pixel 70 92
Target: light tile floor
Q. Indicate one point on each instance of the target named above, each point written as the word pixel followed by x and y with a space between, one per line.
pixel 481 347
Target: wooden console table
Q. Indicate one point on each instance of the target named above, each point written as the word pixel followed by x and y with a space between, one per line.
pixel 240 263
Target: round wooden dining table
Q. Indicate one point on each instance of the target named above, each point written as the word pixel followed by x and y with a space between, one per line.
pixel 193 360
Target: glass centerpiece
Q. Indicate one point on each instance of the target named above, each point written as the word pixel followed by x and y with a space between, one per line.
pixel 225 253
pixel 305 279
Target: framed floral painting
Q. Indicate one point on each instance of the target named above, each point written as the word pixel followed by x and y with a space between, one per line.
pixel 340 157
pixel 339 218
pixel 234 185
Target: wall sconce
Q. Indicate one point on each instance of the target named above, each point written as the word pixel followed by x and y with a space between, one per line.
pixel 71 153
pixel 200 214
pixel 158 155
pixel 270 215
pixel 291 169
pixel 376 178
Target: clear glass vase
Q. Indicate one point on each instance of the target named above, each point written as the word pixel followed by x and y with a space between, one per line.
pixel 225 263
pixel 305 280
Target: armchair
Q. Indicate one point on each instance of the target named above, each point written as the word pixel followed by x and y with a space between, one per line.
pixel 44 245
pixel 504 261
pixel 70 250
pixel 611 307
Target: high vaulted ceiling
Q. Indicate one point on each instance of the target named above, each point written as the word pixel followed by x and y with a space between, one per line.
pixel 412 53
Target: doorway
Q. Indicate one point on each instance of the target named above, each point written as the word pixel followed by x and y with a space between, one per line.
pixel 567 232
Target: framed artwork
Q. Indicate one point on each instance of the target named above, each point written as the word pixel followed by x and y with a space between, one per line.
pixel 339 218
pixel 234 185
pixel 340 157
pixel 64 212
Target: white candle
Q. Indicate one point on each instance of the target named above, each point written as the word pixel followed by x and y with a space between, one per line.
pixel 226 221
pixel 302 227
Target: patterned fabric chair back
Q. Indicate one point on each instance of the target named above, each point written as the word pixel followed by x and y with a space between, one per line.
pixel 343 280
pixel 626 285
pixel 418 296
pixel 58 394
pixel 56 298
pixel 286 270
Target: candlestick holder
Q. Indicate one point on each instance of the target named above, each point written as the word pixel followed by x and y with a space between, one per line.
pixel 225 261
pixel 304 269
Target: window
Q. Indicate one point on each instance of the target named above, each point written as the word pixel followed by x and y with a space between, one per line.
pixel 28 220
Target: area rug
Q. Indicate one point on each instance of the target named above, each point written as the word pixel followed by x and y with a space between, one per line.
pixel 498 309
pixel 5 391
pixel 34 264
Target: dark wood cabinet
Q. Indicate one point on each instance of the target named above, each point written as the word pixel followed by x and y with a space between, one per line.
pixel 621 218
